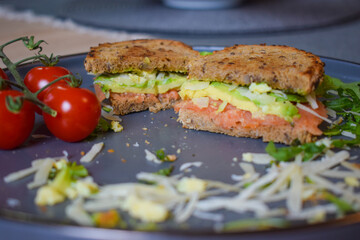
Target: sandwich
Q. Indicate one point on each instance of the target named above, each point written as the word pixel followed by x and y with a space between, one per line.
pixel 139 75
pixel 255 91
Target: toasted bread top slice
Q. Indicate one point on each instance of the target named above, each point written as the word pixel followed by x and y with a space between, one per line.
pixel 281 67
pixel 144 55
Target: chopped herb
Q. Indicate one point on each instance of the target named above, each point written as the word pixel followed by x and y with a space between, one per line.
pixel 77 171
pixel 308 180
pixel 102 127
pixel 341 204
pixel 341 143
pixel 160 154
pixel 205 53
pixel 284 154
pixel 248 184
pixel 289 97
pixel 255 224
pixel 165 171
pixel 106 109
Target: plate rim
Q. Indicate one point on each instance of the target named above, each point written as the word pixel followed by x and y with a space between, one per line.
pixel 350 219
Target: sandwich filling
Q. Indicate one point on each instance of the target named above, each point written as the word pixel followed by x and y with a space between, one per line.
pixel 230 106
pixel 139 91
pixel 140 82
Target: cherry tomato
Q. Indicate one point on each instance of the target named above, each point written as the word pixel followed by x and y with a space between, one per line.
pixel 4 76
pixel 78 113
pixel 39 77
pixel 15 128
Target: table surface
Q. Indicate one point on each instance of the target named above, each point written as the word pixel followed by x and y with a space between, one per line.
pixel 338 41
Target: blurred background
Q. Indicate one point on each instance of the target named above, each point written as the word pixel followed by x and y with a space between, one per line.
pixel 325 27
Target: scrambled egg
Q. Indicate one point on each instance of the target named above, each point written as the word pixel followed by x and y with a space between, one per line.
pixel 259 88
pixel 191 185
pixel 145 210
pixel 48 195
pixel 116 126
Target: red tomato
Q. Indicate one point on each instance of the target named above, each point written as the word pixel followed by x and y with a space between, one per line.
pixel 15 128
pixel 4 76
pixel 78 113
pixel 39 77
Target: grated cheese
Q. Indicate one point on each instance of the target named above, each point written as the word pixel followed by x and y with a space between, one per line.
pixel 188 165
pixel 311 98
pixel 90 156
pixel 309 110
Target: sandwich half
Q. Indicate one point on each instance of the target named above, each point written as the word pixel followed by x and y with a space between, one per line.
pixel 254 91
pixel 139 75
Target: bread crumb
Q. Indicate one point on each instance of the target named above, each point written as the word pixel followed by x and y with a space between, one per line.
pixel 145 129
pixel 82 153
pixel 147 142
pixel 178 151
pixel 171 157
pixel 111 150
pixel 123 160
pixel 127 144
pixel 116 126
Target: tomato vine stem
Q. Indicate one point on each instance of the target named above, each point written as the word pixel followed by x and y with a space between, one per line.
pixel 12 67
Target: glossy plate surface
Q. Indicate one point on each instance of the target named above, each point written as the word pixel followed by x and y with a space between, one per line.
pixel 214 150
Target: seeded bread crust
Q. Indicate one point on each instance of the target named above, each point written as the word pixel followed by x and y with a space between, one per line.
pixel 281 67
pixel 143 55
pixel 281 134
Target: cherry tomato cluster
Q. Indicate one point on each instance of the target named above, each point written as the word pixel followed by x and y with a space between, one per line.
pixel 78 110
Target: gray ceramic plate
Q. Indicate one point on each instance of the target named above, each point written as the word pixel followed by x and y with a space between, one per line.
pixel 214 150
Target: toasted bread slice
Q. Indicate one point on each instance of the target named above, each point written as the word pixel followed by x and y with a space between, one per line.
pixel 281 67
pixel 139 55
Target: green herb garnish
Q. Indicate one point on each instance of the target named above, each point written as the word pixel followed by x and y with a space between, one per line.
pixel 205 53
pixel 255 224
pixel 162 156
pixel 284 154
pixel 341 204
pixel 162 172
pixel 165 171
pixel 331 83
pixel 103 126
